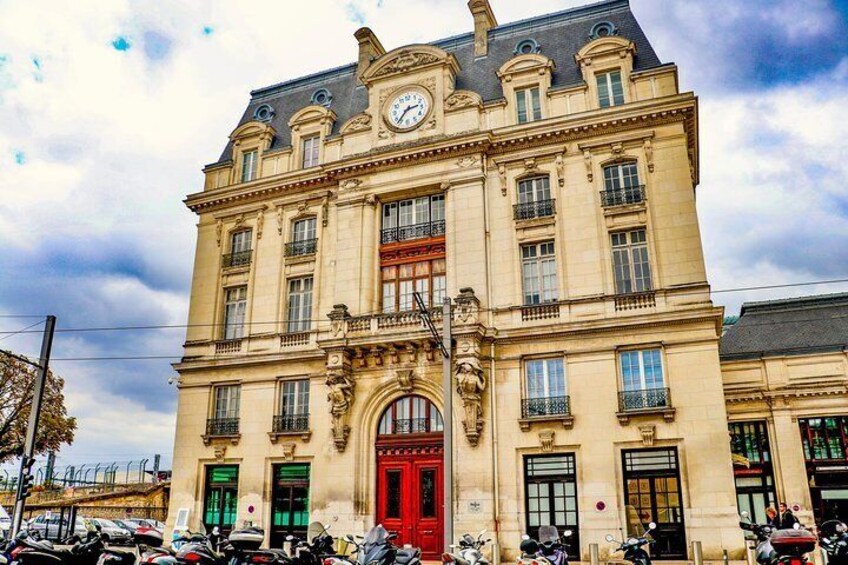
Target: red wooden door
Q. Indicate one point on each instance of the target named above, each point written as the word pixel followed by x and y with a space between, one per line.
pixel 409 500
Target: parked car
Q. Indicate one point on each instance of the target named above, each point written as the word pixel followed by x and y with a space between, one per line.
pixel 146 523
pixel 127 525
pixel 112 532
pixel 49 527
pixel 5 523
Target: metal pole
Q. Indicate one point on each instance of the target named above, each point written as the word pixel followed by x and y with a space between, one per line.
pixel 594 554
pixel 697 553
pixel 447 385
pixel 34 414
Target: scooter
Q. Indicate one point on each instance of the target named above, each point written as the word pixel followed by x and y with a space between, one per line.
pixel 833 538
pixel 312 550
pixel 376 549
pixel 30 551
pixel 632 547
pixel 764 552
pixel 469 551
pixel 780 547
pixel 242 547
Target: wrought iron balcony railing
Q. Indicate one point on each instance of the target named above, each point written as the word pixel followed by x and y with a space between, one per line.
pixel 291 423
pixel 238 259
pixel 301 247
pixel 644 399
pixel 414 426
pixel 222 426
pixel 536 209
pixel 623 196
pixel 551 406
pixel 417 231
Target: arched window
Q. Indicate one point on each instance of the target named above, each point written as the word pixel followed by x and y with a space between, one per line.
pixel 411 415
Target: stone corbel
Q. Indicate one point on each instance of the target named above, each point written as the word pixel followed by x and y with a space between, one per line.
pixel 220 453
pixel 587 160
pixel 393 354
pixel 470 384
pixel 340 396
pixel 546 440
pixel 648 147
pixel 405 380
pixel 411 349
pixel 376 356
pixel 502 176
pixel 288 451
pixel 648 435
pixel 429 352
pixel 468 306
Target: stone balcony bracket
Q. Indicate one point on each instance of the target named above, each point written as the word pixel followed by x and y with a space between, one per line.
pixel 667 412
pixel 212 439
pixel 566 419
pixel 304 435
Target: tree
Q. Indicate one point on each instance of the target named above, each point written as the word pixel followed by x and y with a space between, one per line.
pixel 55 427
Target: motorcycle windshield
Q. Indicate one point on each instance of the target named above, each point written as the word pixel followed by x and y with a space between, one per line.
pixel 548 534
pixel 377 535
pixel 314 530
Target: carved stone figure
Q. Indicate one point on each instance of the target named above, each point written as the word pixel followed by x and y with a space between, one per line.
pixel 219 229
pixel 260 223
pixel 405 61
pixel 340 397
pixel 461 99
pixel 560 169
pixel 280 220
pixel 360 122
pixel 649 154
pixel 406 380
pixel 587 160
pixel 502 176
pixel 470 385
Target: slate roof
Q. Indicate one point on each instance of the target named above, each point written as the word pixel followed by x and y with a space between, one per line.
pixel 793 326
pixel 560 36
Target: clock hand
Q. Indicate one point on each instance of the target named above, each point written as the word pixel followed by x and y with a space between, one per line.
pixel 408 108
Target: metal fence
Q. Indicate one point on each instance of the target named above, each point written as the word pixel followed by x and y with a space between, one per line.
pixel 115 473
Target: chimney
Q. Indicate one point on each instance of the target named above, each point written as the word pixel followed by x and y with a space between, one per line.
pixel 369 49
pixel 484 20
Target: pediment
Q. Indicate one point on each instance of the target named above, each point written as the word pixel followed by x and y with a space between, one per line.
pixel 605 46
pixel 312 113
pixel 405 59
pixel 531 62
pixel 252 129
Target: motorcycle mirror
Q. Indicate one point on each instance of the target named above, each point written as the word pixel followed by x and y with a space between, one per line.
pixel 796 526
pixel 610 537
pixel 840 527
pixel 567 533
pixel 652 526
pixel 289 537
pixel 745 514
pixel 483 531
pixel 349 538
pixel 525 536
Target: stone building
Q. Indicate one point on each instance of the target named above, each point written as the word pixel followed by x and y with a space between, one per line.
pixel 785 370
pixel 542 175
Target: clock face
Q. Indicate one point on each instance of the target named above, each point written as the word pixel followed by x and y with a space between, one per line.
pixel 408 109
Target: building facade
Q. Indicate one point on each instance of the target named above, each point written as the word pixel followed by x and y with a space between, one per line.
pixel 541 175
pixel 785 372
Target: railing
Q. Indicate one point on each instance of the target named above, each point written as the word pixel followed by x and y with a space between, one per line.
pixel 417 231
pixel 222 426
pixel 228 346
pixel 644 399
pixel 623 196
pixel 390 320
pixel 539 312
pixel 238 259
pixel 537 209
pixel 294 423
pixel 553 406
pixel 635 301
pixel 302 247
pixel 413 426
pixel 294 339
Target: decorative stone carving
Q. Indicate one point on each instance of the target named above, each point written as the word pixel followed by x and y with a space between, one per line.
pixel 429 352
pixel 560 170
pixel 360 122
pixel 325 210
pixel 502 176
pixel 431 124
pixel 384 134
pixel 470 385
pixel 546 440
pixel 393 354
pixel 350 184
pixel 371 200
pixel 412 352
pixel 375 354
pixel 280 220
pixel 406 380
pixel 467 161
pixel 461 99
pixel 288 451
pixel 301 207
pixel 648 435
pixel 587 160
pixel 405 61
pixel 338 320
pixel 648 147
pixel 239 220
pixel 260 223
pixel 219 229
pixel 467 306
pixel 617 150
pixel 530 166
pixel 340 397
pixel 220 453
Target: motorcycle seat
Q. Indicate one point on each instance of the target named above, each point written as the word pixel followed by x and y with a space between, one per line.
pixel 44 545
pixel 404 556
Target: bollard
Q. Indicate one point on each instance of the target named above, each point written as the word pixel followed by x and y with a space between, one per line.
pixel 824 557
pixel 725 557
pixel 697 553
pixel 594 557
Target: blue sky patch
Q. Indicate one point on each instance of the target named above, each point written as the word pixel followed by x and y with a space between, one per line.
pixel 354 14
pixel 157 45
pixel 121 44
pixel 208 30
pixel 20 157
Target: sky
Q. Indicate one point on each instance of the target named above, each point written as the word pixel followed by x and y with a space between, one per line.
pixel 109 110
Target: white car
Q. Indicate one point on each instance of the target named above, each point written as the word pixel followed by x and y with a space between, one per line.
pixel 112 532
pixel 5 523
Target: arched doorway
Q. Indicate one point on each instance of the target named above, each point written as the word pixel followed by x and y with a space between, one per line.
pixel 409 474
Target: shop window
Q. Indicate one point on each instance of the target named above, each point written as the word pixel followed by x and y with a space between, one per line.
pixel 220 497
pixel 825 439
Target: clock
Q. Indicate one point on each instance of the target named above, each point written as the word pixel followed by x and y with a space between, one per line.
pixel 407 109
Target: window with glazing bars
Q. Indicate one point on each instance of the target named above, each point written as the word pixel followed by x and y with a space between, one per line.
pixel 300 305
pixel 400 282
pixel 825 438
pixel 641 370
pixel 537 189
pixel 415 211
pixel 241 241
pixel 303 230
pixel 528 105
pixel 545 378
pixel 750 440
pixel 610 89
pixel 621 184
pixel 235 305
pixel 294 398
pixel 311 147
pixel 630 262
pixel 226 402
pixel 248 165
pixel 538 269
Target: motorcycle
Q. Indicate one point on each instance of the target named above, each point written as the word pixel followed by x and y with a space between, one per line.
pixel 833 538
pixel 780 547
pixel 376 549
pixel 31 551
pixel 547 550
pixel 469 551
pixel 633 547
pixel 242 547
pixel 312 550
pixel 764 552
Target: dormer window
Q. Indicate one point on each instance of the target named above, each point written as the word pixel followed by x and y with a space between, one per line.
pixel 528 104
pixel 311 146
pixel 610 89
pixel 248 165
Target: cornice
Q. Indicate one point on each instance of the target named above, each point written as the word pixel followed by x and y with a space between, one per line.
pixel 769 396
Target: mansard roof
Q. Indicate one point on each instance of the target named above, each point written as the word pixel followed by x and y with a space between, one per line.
pixel 559 37
pixel 793 326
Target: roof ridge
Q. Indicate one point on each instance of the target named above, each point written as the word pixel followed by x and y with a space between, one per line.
pixel 797 303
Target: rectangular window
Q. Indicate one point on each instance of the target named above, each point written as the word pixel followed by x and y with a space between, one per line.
pixel 304 230
pixel 413 219
pixel 610 89
pixel 226 402
pixel 248 165
pixel 311 146
pixel 630 263
pixel 621 185
pixel 545 378
pixel 538 268
pixel 528 105
pixel 400 282
pixel 550 484
pixel 641 370
pixel 534 190
pixel 235 305
pixel 300 305
pixel 294 398
pixel 289 502
pixel 825 439
pixel 752 469
pixel 241 241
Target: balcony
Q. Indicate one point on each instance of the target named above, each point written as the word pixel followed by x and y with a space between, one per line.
pixel 286 425
pixel 546 409
pixel 623 196
pixel 302 247
pixel 417 231
pixel 415 426
pixel 297 339
pixel 228 347
pixel 223 428
pixel 238 259
pixel 533 312
pixel 408 319
pixel 532 210
pixel 635 301
pixel 647 401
